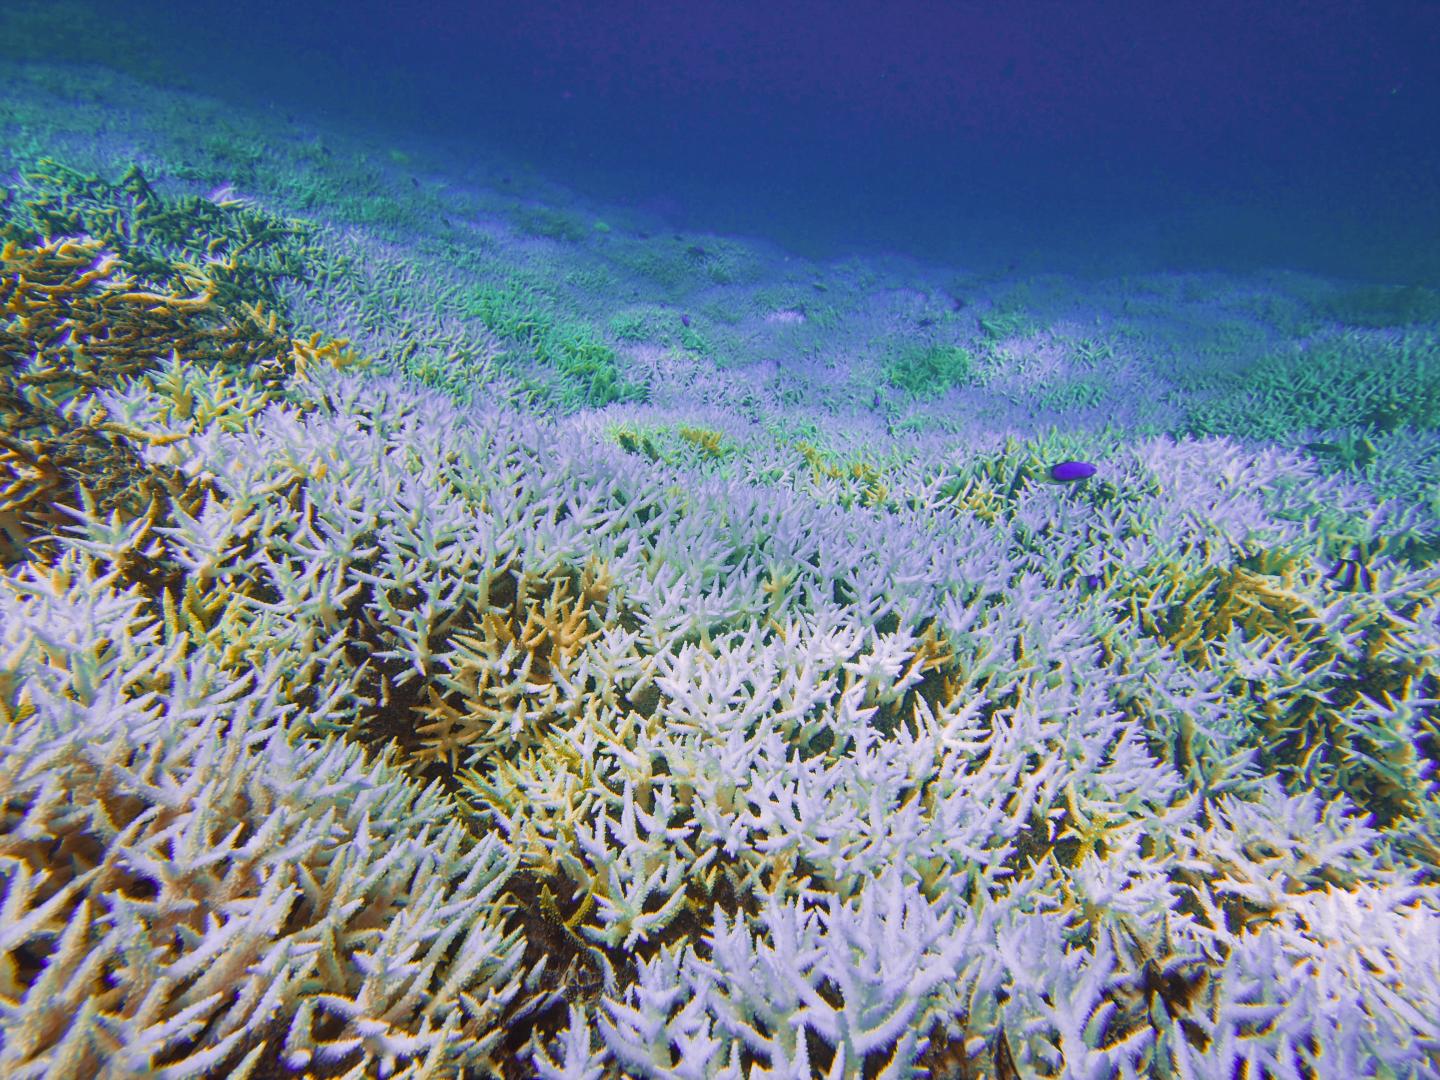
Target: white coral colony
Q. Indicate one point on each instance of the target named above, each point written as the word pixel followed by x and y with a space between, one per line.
pixel 384 733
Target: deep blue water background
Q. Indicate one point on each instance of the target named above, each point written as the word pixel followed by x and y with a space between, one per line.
pixel 1079 136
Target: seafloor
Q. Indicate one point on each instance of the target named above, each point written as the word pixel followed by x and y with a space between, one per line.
pixel 451 628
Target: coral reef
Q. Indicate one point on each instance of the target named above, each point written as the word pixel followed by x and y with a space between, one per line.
pixel 355 721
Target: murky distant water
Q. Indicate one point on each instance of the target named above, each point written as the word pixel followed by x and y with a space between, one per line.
pixel 1134 137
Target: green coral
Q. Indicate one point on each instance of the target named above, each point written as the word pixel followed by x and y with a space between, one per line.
pixel 1073 394
pixel 1351 449
pixel 651 323
pixel 634 439
pixel 679 445
pixel 928 371
pixel 723 262
pixel 163 240
pixel 513 310
pixel 588 368
pixel 692 340
pixel 632 326
pixel 1345 381
pixel 1003 323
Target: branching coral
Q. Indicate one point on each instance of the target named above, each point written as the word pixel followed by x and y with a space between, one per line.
pixel 356 730
pixel 86 314
pixel 189 888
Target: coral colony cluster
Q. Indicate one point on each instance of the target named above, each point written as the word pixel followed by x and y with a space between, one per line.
pixel 443 633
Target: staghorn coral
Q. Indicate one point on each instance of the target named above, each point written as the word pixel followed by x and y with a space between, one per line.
pixel 189 890
pixel 668 781
pixel 242 254
pixel 514 680
pixel 76 328
pixel 1362 379
pixel 631 852
pixel 585 367
pixel 421 737
pixel 86 313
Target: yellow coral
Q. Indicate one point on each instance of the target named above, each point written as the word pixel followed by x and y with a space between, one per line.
pixel 510 678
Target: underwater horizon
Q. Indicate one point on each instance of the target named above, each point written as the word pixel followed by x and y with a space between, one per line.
pixel 838 539
pixel 1094 138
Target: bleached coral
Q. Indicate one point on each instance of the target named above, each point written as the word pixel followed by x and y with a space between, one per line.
pixel 400 736
pixel 189 887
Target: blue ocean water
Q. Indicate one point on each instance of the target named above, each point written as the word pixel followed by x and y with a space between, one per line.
pixel 1057 136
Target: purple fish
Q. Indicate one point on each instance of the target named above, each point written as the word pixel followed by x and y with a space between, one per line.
pixel 1072 470
pixel 684 320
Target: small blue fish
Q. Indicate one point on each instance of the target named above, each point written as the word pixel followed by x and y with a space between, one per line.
pixel 1067 471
